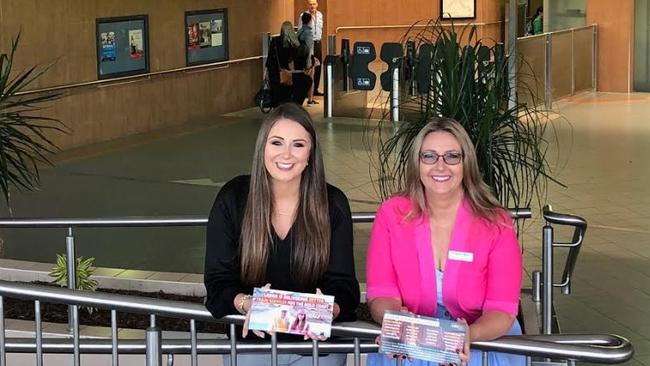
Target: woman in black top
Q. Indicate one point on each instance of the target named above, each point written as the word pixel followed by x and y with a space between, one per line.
pixel 302 80
pixel 283 225
pixel 282 51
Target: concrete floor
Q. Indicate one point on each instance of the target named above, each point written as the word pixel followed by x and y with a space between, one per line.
pixel 603 149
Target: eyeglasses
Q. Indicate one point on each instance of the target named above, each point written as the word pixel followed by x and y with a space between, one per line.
pixel 430 157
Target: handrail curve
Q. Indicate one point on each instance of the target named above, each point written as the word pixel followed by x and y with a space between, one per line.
pixel 562 219
pixel 580 228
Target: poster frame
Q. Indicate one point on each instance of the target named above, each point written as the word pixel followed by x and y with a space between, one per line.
pixel 444 10
pixel 126 71
pixel 222 12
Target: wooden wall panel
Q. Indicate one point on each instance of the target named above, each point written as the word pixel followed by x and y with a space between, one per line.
pixel 343 13
pixel 66 31
pixel 615 21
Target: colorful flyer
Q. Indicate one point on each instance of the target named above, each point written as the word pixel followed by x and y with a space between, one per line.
pixel 291 312
pixel 193 36
pixel 205 35
pixel 108 46
pixel 136 45
pixel 421 337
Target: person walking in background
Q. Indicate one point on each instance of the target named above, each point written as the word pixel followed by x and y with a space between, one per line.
pixel 305 36
pixel 317 29
pixel 282 53
pixel 537 24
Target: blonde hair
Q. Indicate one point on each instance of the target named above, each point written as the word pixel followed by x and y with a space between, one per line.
pixel 288 36
pixel 479 195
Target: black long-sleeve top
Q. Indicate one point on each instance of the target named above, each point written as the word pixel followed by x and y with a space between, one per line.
pixel 222 259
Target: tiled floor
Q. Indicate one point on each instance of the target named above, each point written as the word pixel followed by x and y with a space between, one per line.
pixel 604 150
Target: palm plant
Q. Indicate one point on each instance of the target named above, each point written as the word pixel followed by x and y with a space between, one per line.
pixel 470 84
pixel 23 140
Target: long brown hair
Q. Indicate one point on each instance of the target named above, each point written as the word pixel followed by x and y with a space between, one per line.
pixel 478 193
pixel 311 229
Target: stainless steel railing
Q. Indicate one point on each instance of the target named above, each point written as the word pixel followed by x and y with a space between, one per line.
pixel 602 348
pixel 566 58
pixel 141 222
pixel 543 281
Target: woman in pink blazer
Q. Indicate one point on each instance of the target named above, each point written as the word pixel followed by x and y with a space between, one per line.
pixel 445 247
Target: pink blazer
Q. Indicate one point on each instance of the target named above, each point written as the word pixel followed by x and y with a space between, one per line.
pixel 483 269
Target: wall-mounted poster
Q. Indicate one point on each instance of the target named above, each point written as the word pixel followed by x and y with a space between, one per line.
pixel 206 36
pixel 122 46
pixel 458 9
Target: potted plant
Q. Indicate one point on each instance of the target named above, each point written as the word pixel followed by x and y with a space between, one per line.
pixel 468 81
pixel 24 143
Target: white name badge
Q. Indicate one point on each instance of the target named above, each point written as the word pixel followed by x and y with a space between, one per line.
pixel 455 255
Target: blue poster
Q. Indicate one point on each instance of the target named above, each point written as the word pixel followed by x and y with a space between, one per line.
pixel 108 46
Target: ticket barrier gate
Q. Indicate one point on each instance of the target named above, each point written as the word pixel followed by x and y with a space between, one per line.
pixel 346 96
pixel 348 77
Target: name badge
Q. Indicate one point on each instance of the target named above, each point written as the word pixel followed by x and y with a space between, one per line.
pixel 455 255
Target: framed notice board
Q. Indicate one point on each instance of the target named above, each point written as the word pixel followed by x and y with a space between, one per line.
pixel 458 9
pixel 122 46
pixel 206 36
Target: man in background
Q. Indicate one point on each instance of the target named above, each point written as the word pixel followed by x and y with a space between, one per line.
pixel 317 28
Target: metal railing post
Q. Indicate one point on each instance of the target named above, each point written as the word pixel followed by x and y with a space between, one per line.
pixel 266 39
pixel 193 340
pixel 75 336
pixel 72 273
pixel 329 89
pixel 573 62
pixel 537 286
pixel 274 349
pixel 394 96
pixel 511 39
pixel 331 45
pixel 3 354
pixel 114 339
pixel 357 351
pixel 314 353
pixel 233 345
pixel 153 344
pixel 547 265
pixel 594 58
pixel 548 60
pixel 39 333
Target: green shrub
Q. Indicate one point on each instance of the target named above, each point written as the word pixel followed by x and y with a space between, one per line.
pixel 84 270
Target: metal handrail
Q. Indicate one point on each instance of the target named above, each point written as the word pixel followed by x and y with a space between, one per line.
pixel 181 346
pixel 588 348
pixel 566 30
pixel 424 25
pixel 580 227
pixel 563 219
pixel 616 350
pixel 161 221
pixel 140 76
